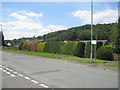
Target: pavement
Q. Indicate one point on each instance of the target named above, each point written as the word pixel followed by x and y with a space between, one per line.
pixel 26 71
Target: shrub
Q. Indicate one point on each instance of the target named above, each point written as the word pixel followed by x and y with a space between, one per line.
pixel 114 50
pixel 67 48
pixel 34 47
pixel 79 48
pixel 88 49
pixel 47 47
pixel 40 46
pixel 21 46
pixel 104 53
pixel 55 47
pixel 27 46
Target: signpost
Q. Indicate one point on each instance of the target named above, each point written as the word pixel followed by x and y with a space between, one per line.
pixel 94 42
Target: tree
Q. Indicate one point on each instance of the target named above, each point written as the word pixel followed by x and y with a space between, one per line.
pixel 115 37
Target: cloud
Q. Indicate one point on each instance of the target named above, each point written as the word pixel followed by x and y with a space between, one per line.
pixel 26 24
pixel 18 25
pixel 19 17
pixel 10 35
pixel 31 14
pixel 105 16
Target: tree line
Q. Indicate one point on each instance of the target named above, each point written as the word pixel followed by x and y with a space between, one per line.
pixel 108 32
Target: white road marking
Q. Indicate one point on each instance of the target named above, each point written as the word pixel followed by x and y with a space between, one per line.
pixel 20 74
pixel 27 78
pixel 3 66
pixel 0 65
pixel 34 81
pixel 1 69
pixel 15 72
pixel 12 75
pixel 4 70
pixel 7 68
pixel 8 72
pixel 44 86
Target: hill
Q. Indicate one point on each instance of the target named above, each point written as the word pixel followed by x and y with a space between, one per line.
pixel 100 31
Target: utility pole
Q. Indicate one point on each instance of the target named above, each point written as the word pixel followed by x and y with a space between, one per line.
pixel 91 27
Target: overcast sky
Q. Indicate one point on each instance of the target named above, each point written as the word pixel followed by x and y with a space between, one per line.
pixel 28 19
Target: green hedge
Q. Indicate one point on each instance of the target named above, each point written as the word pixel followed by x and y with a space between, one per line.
pixel 104 53
pixel 68 48
pixel 40 47
pixel 55 47
pixel 46 47
pixel 79 49
pixel 21 46
pixel 88 48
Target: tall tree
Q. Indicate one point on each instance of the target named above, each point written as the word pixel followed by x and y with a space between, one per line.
pixel 115 37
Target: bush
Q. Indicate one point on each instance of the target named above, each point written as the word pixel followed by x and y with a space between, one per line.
pixel 114 50
pixel 21 46
pixel 104 53
pixel 88 49
pixel 68 48
pixel 40 46
pixel 47 47
pixel 27 46
pixel 55 47
pixel 79 48
pixel 34 47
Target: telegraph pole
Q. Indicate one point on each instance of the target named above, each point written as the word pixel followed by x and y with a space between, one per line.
pixel 91 27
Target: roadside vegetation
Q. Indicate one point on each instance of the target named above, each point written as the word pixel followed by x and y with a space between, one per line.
pixel 71 44
pixel 66 57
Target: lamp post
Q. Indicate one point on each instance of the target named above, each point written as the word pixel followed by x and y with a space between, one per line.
pixel 91 27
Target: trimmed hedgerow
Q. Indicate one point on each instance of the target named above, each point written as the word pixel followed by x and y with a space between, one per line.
pixel 27 46
pixel 47 47
pixel 21 46
pixel 88 48
pixel 75 48
pixel 55 47
pixel 104 53
pixel 34 47
pixel 40 46
pixel 79 49
pixel 67 48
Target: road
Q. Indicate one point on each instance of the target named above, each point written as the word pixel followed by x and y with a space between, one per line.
pixel 25 71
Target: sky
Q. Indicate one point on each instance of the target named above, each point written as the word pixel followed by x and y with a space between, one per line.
pixel 28 19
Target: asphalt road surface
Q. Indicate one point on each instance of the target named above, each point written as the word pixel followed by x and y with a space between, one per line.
pixel 25 71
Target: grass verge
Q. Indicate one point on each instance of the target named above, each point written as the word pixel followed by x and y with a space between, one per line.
pixel 66 57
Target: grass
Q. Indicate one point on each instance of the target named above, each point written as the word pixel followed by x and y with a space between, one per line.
pixel 66 57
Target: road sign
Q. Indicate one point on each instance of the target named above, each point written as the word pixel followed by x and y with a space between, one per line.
pixel 94 42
